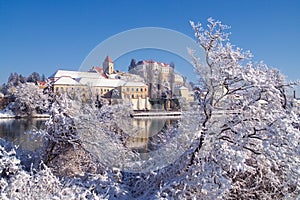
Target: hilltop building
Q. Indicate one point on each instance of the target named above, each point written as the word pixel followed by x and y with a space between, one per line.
pixel 160 77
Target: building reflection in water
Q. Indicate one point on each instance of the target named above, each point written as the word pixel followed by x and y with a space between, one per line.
pixel 147 132
pixel 144 134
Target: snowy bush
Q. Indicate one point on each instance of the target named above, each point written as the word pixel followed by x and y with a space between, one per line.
pixel 29 100
pixel 16 183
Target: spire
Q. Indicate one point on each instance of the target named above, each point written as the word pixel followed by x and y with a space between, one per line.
pixel 108 59
pixel 108 65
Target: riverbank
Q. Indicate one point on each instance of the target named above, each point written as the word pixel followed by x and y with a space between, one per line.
pixel 158 114
pixel 6 114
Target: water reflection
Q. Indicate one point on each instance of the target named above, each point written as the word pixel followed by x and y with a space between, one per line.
pixel 146 134
pixel 149 134
pixel 15 131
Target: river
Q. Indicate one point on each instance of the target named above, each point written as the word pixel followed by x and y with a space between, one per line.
pixel 17 131
pixel 144 140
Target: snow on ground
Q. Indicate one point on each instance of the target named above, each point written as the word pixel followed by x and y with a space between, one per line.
pixel 6 113
pixel 45 115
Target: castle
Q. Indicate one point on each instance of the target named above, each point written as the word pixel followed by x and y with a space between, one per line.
pixel 145 80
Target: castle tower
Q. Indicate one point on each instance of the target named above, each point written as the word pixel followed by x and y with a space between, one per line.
pixel 108 65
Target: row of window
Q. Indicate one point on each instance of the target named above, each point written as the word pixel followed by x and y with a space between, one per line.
pixel 103 91
pixel 135 96
pixel 165 70
pixel 64 88
pixel 82 89
pixel 135 89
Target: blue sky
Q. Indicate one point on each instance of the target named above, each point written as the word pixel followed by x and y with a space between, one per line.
pixel 44 36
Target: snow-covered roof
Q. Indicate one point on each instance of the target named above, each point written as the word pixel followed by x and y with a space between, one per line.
pixel 134 84
pixel 98 70
pixel 66 81
pixel 93 79
pixel 75 74
pixel 183 88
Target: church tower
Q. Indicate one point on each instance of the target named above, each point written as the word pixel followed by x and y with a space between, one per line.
pixel 108 65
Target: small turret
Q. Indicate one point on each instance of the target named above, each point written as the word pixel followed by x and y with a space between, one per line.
pixel 132 64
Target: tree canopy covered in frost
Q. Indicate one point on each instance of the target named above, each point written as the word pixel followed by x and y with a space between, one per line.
pixel 246 144
pixel 29 100
pixel 249 144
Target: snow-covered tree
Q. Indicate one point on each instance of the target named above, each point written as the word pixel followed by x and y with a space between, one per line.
pixel 42 183
pixel 29 100
pixel 13 79
pixel 34 77
pixel 249 143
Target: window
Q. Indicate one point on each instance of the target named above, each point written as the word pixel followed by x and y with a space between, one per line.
pixel 141 89
pixel 132 96
pixel 127 89
pixel 132 89
pixel 137 89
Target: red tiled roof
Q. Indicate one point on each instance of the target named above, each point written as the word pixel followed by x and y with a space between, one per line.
pixel 108 59
pixel 41 83
pixel 98 69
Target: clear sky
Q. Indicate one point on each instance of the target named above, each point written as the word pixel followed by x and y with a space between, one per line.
pixel 44 36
